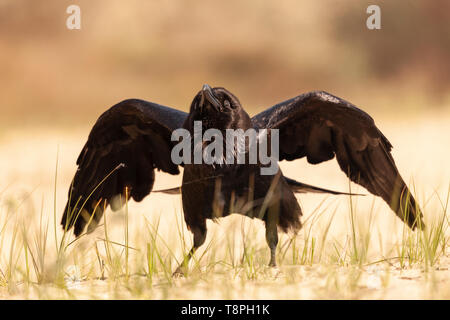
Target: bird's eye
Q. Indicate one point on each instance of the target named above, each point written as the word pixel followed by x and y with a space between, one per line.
pixel 227 104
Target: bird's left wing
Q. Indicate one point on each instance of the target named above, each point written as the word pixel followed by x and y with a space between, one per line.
pixel 124 147
pixel 320 126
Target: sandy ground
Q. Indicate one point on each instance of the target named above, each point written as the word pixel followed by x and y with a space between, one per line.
pixel 27 183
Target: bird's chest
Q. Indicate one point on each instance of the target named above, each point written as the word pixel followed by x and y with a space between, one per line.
pixel 218 191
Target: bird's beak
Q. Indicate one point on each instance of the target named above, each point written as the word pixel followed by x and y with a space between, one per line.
pixel 208 95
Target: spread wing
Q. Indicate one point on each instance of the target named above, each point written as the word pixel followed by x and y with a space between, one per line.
pixel 320 126
pixel 124 147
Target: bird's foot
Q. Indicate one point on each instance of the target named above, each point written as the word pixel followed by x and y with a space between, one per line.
pixel 273 261
pixel 179 273
pixel 274 271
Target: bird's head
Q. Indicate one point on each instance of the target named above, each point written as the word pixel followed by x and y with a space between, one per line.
pixel 218 108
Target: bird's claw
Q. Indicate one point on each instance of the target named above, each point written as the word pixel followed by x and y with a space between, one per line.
pixel 179 273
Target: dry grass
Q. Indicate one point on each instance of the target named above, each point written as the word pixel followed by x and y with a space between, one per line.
pixel 133 253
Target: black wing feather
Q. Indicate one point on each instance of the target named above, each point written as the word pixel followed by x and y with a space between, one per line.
pixel 320 126
pixel 126 144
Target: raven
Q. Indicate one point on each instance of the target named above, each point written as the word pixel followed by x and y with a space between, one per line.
pixel 134 137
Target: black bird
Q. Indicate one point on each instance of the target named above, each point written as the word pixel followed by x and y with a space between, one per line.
pixel 133 138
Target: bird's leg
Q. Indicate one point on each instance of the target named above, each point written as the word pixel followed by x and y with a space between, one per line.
pixel 199 239
pixel 272 235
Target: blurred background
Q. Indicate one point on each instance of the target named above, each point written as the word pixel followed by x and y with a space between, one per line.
pixel 263 51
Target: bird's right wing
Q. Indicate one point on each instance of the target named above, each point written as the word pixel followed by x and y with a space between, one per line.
pixel 124 147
